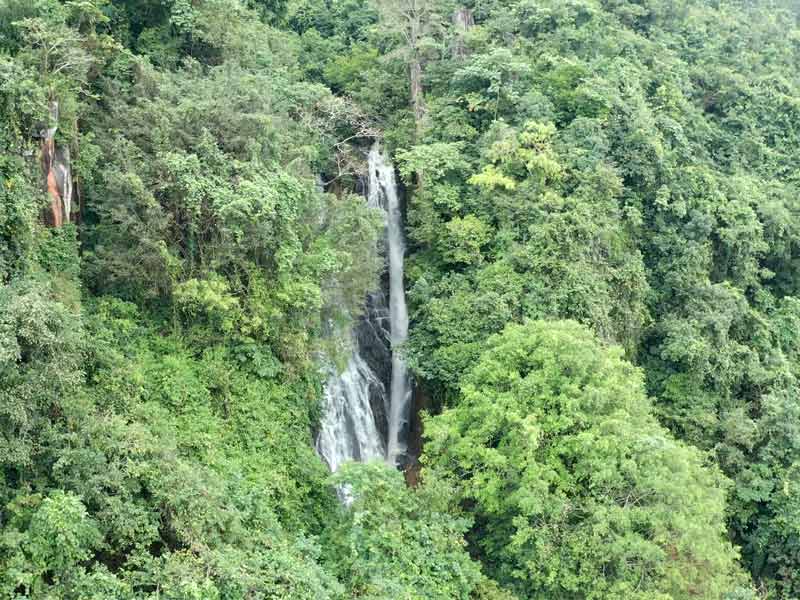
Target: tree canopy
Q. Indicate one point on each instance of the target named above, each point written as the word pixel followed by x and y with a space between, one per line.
pixel 574 487
pixel 603 240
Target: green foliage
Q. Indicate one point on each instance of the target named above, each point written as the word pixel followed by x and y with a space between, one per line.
pixel 463 239
pixel 574 488
pixel 538 243
pixel 163 448
pixel 634 162
pixel 57 539
pixel 392 542
pixel 40 364
pixel 180 463
pixel 224 201
pixel 629 165
pixel 209 301
pixel 18 203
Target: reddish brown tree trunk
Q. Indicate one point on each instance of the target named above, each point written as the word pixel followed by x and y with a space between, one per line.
pixel 57 174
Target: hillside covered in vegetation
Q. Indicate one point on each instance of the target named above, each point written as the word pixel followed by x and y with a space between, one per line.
pixel 601 206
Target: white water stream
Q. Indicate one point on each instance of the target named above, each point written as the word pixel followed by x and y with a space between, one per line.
pixel 383 194
pixel 348 431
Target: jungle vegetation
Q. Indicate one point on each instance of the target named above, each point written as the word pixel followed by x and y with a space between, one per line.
pixel 603 272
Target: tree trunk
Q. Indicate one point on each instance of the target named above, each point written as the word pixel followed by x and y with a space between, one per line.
pixel 421 402
pixel 463 21
pixel 417 98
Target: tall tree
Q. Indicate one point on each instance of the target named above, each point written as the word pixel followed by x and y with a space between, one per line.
pixel 417 22
pixel 577 492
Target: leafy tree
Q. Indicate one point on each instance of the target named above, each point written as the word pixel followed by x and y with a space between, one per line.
pixel 41 371
pixel 574 487
pixel 59 538
pixel 417 22
pixel 392 542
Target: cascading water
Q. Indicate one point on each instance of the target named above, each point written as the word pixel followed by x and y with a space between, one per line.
pixel 383 194
pixel 348 430
pixel 361 421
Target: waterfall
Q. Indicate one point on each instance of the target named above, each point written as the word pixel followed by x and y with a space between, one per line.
pixel 383 194
pixel 366 408
pixel 348 430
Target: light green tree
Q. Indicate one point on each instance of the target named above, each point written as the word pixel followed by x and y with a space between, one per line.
pixel 575 489
pixel 395 542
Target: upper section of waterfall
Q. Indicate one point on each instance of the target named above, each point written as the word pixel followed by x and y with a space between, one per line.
pixel 384 193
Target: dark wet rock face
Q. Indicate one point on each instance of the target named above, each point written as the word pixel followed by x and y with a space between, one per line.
pixel 372 337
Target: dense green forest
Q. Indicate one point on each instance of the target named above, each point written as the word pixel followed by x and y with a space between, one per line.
pixel 602 205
